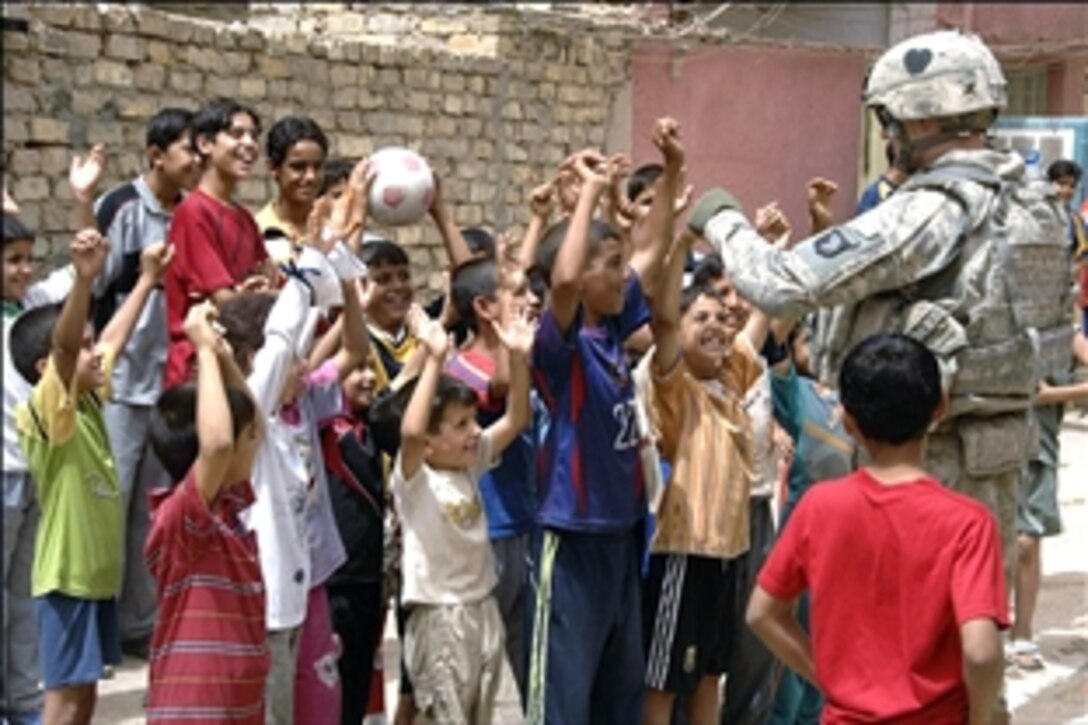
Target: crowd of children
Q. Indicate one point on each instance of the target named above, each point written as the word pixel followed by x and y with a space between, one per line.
pixel 234 444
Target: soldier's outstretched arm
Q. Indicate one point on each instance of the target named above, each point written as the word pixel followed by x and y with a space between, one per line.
pixel 906 238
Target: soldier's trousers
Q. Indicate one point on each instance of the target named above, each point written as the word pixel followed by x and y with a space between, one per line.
pixel 946 460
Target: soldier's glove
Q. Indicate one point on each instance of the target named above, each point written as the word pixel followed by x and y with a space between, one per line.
pixel 709 205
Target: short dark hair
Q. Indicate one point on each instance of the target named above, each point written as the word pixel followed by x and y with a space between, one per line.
pixel 708 270
pixel 694 291
pixel 477 277
pixel 172 426
pixel 31 339
pixel 548 250
pixel 1062 168
pixel 334 171
pixel 289 131
pixel 450 391
pixel 16 231
pixel 479 241
pixel 243 317
pixel 644 178
pixel 382 251
pixel 167 126
pixel 891 385
pixel 538 283
pixel 215 117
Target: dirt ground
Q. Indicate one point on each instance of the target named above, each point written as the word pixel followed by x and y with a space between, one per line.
pixel 1056 694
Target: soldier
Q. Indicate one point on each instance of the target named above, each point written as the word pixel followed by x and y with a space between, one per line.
pixel 942 259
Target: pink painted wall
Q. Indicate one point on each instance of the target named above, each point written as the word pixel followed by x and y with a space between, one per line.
pixel 1047 28
pixel 1067 86
pixel 759 121
pixel 1016 23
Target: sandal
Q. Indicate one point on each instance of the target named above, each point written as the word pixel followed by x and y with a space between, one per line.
pixel 1025 654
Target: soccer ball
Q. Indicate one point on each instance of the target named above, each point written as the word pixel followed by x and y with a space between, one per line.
pixel 403 187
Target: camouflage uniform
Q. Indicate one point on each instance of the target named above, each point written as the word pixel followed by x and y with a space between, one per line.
pixel 925 262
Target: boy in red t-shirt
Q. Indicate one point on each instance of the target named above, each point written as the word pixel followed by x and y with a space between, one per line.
pixel 906 578
pixel 209 650
pixel 219 249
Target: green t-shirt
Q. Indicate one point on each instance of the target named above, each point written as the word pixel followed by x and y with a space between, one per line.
pixel 77 551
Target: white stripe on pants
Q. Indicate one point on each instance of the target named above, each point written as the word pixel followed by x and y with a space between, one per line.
pixel 668 612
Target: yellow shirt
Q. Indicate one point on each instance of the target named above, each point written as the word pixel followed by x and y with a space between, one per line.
pixel 706 436
pixel 267 218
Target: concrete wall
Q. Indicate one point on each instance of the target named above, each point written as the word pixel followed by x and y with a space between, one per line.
pixel 760 121
pixel 492 125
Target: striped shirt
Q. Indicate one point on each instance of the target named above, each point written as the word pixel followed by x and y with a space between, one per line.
pixel 209 651
pixel 705 435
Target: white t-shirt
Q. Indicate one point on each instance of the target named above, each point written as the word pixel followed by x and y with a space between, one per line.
pixel 447 555
pixel 50 290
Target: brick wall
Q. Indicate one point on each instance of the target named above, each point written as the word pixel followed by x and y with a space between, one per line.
pixel 494 115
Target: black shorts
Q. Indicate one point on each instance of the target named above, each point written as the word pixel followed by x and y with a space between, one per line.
pixel 687 612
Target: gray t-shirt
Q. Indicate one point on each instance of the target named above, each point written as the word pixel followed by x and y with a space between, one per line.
pixel 131 217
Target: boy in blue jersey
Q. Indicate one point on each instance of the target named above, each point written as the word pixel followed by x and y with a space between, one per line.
pixel 587 662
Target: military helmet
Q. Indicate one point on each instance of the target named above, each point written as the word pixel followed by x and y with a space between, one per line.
pixel 945 73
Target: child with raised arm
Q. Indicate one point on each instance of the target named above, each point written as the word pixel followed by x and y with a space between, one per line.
pixel 700 382
pixel 913 633
pixel 77 566
pixel 484 291
pixel 454 641
pixel 205 665
pixel 586 662
pixel 22 697
pixel 299 544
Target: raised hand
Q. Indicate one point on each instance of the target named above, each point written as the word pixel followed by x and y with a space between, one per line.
pixel 618 169
pixel 590 167
pixel 666 136
pixel 820 192
pixel 438 202
pixel 517 333
pixel 84 173
pixel 771 222
pixel 361 179
pixel 567 188
pixel 415 318
pixel 434 337
pixel 542 199
pixel 319 234
pixel 684 200
pixel 201 326
pixel 339 223
pixel 155 259
pixel 88 252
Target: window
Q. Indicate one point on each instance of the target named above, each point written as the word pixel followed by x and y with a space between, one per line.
pixel 1027 91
